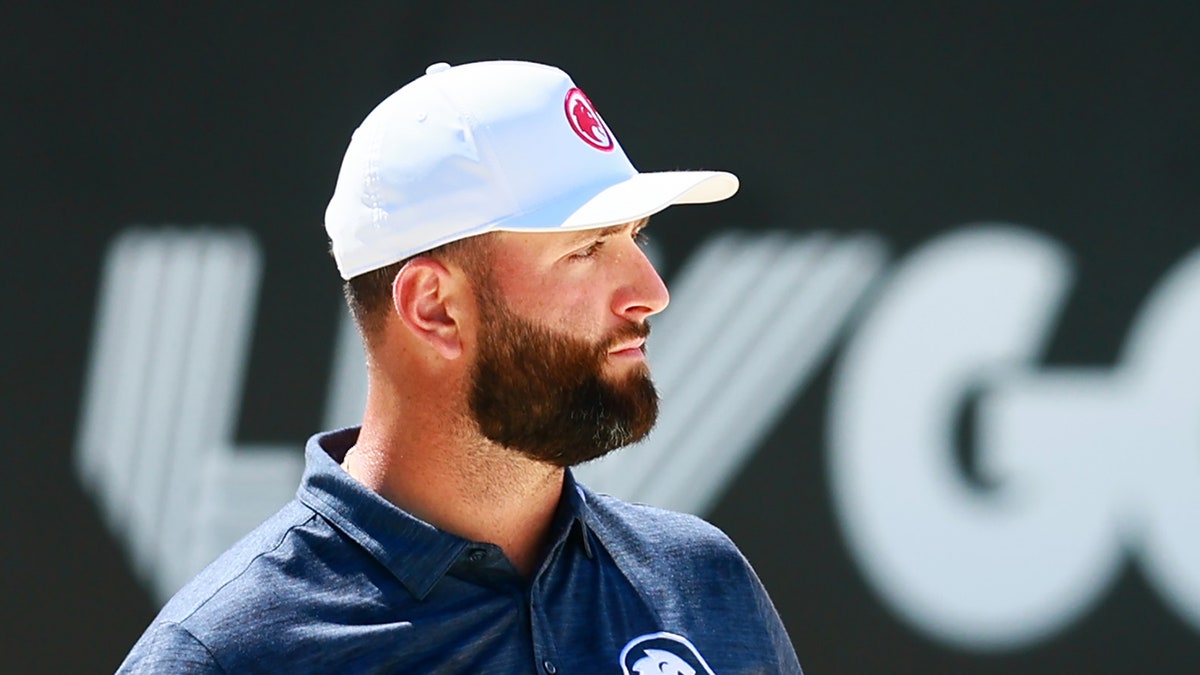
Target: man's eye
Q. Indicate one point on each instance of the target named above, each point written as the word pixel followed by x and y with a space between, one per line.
pixel 589 251
pixel 641 238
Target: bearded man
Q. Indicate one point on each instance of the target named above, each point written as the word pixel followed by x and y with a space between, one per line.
pixel 488 226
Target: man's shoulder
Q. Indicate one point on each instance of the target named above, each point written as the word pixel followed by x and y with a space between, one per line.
pixel 694 576
pixel 200 618
pixel 248 569
pixel 263 585
pixel 650 533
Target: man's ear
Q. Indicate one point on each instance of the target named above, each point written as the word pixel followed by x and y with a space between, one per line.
pixel 427 297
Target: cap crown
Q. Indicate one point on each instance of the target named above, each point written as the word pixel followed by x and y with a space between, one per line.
pixel 467 150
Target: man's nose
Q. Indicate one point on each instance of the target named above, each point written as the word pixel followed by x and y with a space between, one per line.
pixel 644 293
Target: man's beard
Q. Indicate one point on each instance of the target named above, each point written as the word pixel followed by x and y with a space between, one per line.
pixel 544 394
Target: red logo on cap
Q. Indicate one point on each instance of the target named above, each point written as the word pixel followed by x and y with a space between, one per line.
pixel 586 122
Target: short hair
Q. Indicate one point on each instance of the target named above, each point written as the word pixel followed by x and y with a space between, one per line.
pixel 369 295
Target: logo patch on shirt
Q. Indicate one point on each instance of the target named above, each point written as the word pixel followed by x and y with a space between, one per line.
pixel 662 654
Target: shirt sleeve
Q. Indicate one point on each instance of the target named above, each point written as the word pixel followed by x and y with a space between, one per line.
pixel 167 647
pixel 785 654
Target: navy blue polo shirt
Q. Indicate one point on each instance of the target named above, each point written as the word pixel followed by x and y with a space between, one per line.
pixel 342 581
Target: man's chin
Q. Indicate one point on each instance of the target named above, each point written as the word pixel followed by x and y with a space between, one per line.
pixel 623 373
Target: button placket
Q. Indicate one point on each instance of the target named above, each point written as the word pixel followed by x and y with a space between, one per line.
pixel 543 640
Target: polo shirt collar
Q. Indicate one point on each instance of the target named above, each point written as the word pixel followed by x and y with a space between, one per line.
pixel 573 514
pixel 417 553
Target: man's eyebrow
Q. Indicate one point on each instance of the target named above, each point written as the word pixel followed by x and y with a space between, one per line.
pixel 610 231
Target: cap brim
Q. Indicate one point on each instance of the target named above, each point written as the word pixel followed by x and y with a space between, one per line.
pixel 634 198
pixel 645 194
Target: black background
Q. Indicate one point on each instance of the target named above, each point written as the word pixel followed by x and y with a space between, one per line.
pixel 1076 119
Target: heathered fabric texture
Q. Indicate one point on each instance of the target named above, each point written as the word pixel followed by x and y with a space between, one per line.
pixel 342 581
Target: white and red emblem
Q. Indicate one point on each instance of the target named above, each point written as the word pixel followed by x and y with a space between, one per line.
pixel 662 654
pixel 586 122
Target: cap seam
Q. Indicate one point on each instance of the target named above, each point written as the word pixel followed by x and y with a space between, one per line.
pixel 483 135
pixel 372 177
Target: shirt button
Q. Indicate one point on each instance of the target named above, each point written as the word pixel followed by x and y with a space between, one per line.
pixel 477 555
pixel 549 666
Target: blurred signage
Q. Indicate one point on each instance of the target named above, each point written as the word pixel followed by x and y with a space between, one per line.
pixel 988 547
pixel 1069 470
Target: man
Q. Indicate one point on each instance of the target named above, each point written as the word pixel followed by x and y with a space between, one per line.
pixel 487 223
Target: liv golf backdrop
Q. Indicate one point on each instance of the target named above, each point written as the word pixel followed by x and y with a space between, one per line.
pixel 935 368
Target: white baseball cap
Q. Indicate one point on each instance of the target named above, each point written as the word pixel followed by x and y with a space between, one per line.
pixel 490 146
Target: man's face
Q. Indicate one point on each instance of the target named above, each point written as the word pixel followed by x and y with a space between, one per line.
pixel 565 397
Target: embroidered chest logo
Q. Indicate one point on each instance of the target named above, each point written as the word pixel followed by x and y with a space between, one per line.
pixel 662 654
pixel 586 121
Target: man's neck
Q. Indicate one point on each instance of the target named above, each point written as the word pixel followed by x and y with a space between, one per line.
pixel 463 484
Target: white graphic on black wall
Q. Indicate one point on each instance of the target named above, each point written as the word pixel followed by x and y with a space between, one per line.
pixel 1075 470
pixel 156 444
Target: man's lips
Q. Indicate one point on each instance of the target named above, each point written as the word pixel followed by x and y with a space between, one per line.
pixel 636 347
